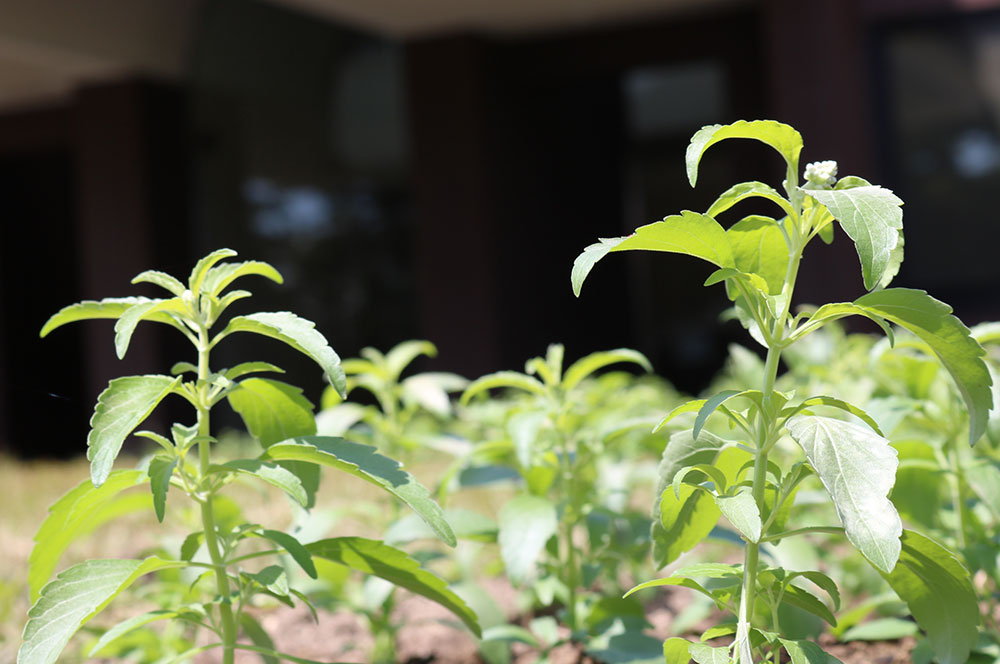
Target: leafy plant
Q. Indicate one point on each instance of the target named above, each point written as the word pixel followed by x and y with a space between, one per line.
pixel 555 444
pixel 276 414
pixel 704 476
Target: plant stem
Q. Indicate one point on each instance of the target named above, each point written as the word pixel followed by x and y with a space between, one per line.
pixel 228 621
pixel 765 422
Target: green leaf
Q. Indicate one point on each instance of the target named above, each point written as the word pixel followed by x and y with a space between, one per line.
pixel 111 307
pixel 591 363
pixel 835 311
pixel 585 262
pixel 271 578
pixel 705 654
pixel 744 190
pixel 781 137
pixel 200 270
pixel 805 600
pixel 395 566
pixel 259 636
pixel 834 403
pixel 220 276
pixel 881 629
pixel 77 513
pixel 681 523
pixel 161 279
pixel 872 217
pixel 139 312
pixel 709 407
pixel 984 479
pixel 161 469
pixel 948 337
pixel 806 652
pixel 295 549
pixel 509 379
pixel 759 248
pixel 273 474
pixel 401 355
pixel 121 407
pixel 743 513
pixel 688 407
pixel 75 596
pixel 857 467
pixel 465 523
pixel 525 523
pixel 688 233
pixel 300 334
pixel 363 461
pixel 245 368
pixel 272 410
pixel 938 590
pixel 675 651
pixel 129 625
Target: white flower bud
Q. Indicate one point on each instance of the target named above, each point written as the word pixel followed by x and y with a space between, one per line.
pixel 822 173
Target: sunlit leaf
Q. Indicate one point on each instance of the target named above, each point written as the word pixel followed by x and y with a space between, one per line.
pixel 781 137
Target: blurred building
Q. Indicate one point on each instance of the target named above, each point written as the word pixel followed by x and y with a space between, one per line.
pixel 431 168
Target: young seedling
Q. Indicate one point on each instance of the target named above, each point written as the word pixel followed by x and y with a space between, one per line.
pixel 704 476
pixel 281 420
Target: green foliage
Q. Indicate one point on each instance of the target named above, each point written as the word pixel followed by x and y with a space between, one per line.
pixel 745 474
pixel 276 414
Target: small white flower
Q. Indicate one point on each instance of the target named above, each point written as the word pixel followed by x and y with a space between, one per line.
pixel 822 173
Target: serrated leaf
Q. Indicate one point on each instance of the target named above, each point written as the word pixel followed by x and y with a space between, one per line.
pixel 161 279
pixel 781 137
pixel 591 363
pixel 271 578
pixel 759 248
pixel 949 339
pixel 364 462
pixel 273 474
pixel 110 307
pixel 220 276
pixel 272 410
pixel 75 596
pixel 200 270
pixel 509 379
pixel 395 566
pixel 687 233
pixel 743 513
pixel 938 590
pixel 688 407
pixel 75 514
pixel 525 524
pixel 857 467
pixel 300 334
pixel 872 217
pixel 245 368
pixel 744 190
pixel 121 407
pixel 161 469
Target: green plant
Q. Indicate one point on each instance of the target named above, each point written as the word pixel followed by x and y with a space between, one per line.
pixel 555 440
pixel 231 571
pixel 705 476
